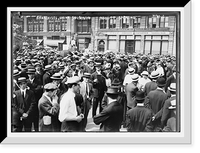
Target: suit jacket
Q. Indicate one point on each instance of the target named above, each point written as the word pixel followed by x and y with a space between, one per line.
pixel 22 105
pixel 155 101
pixel 130 91
pixel 46 78
pixel 46 108
pixel 110 118
pixel 170 80
pixel 138 119
pixel 166 112
pixel 171 125
pixel 150 86
pixel 99 87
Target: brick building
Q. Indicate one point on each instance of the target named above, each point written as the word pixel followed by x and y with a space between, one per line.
pixel 148 34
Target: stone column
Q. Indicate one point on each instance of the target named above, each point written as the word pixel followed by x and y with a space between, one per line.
pixel 117 43
pixel 118 22
pixel 25 24
pixel 107 25
pixel 142 45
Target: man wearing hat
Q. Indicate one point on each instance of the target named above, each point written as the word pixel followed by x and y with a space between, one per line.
pixel 36 86
pixel 112 115
pixel 128 76
pixel 171 79
pixel 166 114
pixel 155 101
pixel 171 122
pixel 150 86
pixel 99 88
pixel 69 113
pixel 24 103
pixel 47 74
pixel 138 119
pixel 131 90
pixel 48 110
pixel 86 92
pixel 144 79
pixel 39 71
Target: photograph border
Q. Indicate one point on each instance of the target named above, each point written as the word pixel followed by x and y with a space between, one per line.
pixel 183 137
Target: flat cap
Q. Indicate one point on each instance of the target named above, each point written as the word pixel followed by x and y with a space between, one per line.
pixel 50 86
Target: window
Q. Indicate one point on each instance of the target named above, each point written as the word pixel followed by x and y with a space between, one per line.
pixel 103 23
pixel 112 23
pixel 55 37
pixel 83 25
pixel 124 22
pixel 35 25
pixel 63 25
pixel 154 22
pixel 136 22
pixel 50 25
pixel 166 21
pixel 162 22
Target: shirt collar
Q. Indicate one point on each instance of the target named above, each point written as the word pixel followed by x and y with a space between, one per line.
pixel 140 104
pixel 47 97
pixel 160 89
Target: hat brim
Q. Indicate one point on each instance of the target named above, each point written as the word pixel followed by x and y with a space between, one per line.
pixel 139 99
pixel 170 89
pixel 56 78
pixel 172 107
pixel 161 85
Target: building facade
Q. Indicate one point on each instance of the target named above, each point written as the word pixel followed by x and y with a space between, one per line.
pixel 153 34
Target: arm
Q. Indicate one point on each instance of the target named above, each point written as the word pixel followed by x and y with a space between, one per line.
pixel 50 110
pixel 100 118
pixel 32 103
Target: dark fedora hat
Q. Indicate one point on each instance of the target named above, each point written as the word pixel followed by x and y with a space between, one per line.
pixel 161 82
pixel 113 90
pixel 140 96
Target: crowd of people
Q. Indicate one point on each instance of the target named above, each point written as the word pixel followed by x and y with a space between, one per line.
pixel 54 93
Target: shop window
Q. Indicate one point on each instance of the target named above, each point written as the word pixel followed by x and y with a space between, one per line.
pixel 137 37
pixel 156 47
pixel 137 46
pixel 101 45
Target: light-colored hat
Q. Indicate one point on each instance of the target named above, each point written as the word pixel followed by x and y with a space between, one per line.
pixel 47 67
pixel 16 72
pixel 74 79
pixel 56 76
pixel 154 74
pixel 172 87
pixel 173 105
pixel 50 86
pixel 131 70
pixel 21 79
pixel 135 77
pixel 145 73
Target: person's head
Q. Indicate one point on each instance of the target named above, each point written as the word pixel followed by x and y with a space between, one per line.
pixel 145 74
pixel 154 75
pixel 140 96
pixel 161 82
pixel 50 89
pixel 38 66
pixel 135 78
pixel 31 72
pixel 172 88
pixel 22 83
pixel 56 78
pixel 98 66
pixel 86 76
pixel 73 83
pixel 112 92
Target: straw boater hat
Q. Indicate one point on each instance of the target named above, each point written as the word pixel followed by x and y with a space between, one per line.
pixel 74 79
pixel 31 70
pixel 131 70
pixel 154 75
pixel 47 67
pixel 16 72
pixel 172 87
pixel 21 79
pixel 135 77
pixel 173 104
pixel 145 73
pixel 56 76
pixel 86 75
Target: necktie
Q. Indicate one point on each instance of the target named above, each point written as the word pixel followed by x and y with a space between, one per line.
pixel 23 94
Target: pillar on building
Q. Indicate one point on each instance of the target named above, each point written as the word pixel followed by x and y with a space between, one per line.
pixel 93 32
pixel 107 25
pixel 44 40
pixel 45 24
pixel 142 45
pixel 106 43
pixel 130 24
pixel 25 24
pixel 117 43
pixel 157 22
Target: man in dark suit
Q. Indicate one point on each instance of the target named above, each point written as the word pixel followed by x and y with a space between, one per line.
pixel 138 119
pixel 166 112
pixel 150 86
pixel 24 104
pixel 36 86
pixel 47 75
pixel 155 101
pixel 99 88
pixel 112 115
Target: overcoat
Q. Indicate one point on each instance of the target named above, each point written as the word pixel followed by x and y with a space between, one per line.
pixel 46 108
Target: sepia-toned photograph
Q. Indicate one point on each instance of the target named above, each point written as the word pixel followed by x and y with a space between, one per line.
pixel 103 71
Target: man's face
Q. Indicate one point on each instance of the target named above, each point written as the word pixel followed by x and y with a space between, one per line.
pixel 76 88
pixel 31 76
pixel 23 85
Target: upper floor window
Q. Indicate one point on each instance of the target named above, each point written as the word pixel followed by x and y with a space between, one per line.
pixel 34 25
pixel 112 22
pixel 57 24
pixel 103 23
pixel 83 25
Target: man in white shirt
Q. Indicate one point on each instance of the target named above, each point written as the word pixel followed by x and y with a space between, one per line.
pixel 68 114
